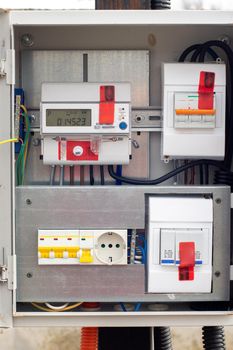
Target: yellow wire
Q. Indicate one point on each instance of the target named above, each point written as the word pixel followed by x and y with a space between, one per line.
pixel 7 141
pixel 24 109
pixel 67 308
pixel 14 139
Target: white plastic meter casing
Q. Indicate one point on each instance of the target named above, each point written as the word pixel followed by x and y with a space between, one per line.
pixel 86 123
pixel 190 130
pixel 180 244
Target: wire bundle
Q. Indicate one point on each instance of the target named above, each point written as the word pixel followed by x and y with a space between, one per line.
pixel 140 249
pixel 52 308
pixel 199 51
pixel 173 173
pixel 22 157
pixel 89 338
pixel 213 338
pixel 162 338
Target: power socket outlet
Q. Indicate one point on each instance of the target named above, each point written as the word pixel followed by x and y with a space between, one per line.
pixel 111 247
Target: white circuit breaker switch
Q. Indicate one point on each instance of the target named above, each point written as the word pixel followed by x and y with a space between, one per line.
pixel 180 244
pixel 167 247
pixel 86 247
pixel 194 97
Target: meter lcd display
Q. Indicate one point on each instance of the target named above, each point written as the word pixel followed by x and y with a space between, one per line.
pixel 68 117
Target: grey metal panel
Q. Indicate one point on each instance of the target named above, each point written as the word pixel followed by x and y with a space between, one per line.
pixel 106 207
pixel 76 283
pixel 122 66
pixel 40 66
pixel 48 66
pixel 5 177
pixel 164 42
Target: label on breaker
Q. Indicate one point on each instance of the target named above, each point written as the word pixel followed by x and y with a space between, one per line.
pixel 167 247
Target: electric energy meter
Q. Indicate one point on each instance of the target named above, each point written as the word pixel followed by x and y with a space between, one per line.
pixel 85 123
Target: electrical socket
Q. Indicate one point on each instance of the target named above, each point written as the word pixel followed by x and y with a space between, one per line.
pixel 111 247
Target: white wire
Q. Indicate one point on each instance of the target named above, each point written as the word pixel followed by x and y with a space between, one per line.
pixel 52 307
pixel 139 257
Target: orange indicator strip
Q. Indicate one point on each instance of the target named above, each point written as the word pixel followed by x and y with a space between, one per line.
pixel 195 111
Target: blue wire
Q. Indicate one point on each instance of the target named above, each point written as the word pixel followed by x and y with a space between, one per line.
pixel 137 306
pixel 123 306
pixel 143 254
pixel 119 173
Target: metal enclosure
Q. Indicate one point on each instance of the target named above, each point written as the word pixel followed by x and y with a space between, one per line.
pixel 94 43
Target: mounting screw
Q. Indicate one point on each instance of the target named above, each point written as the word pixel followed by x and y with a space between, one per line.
pixel 36 141
pixel 218 201
pixel 29 275
pixel 28 201
pixel 217 273
pixel 225 39
pixel 27 40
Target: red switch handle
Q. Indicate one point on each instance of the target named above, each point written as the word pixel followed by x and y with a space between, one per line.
pixel 206 90
pixel 187 261
pixel 107 104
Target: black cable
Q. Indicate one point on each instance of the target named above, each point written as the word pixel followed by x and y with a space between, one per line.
pixel 197 53
pixel 162 338
pixel 102 180
pixel 167 176
pixel 197 49
pixel 221 176
pixel 187 51
pixel 71 175
pixel 92 180
pixel 229 109
pixel 201 174
pixel 213 338
pixel 206 167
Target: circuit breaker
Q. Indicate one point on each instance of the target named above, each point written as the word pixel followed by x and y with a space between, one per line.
pixel 193 110
pixel 85 123
pixel 180 245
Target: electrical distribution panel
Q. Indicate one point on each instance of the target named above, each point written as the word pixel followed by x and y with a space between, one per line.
pixel 71 247
pixel 85 123
pixel 79 208
pixel 194 100
pixel 180 245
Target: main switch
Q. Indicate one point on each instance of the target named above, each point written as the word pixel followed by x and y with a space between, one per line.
pixel 194 99
pixel 180 244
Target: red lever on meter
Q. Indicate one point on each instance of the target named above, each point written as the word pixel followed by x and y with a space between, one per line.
pixel 107 104
pixel 187 261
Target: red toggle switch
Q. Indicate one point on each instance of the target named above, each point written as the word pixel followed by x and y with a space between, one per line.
pixel 206 90
pixel 187 261
pixel 107 104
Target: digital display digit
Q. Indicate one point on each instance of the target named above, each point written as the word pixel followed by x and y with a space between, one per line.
pixel 68 117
